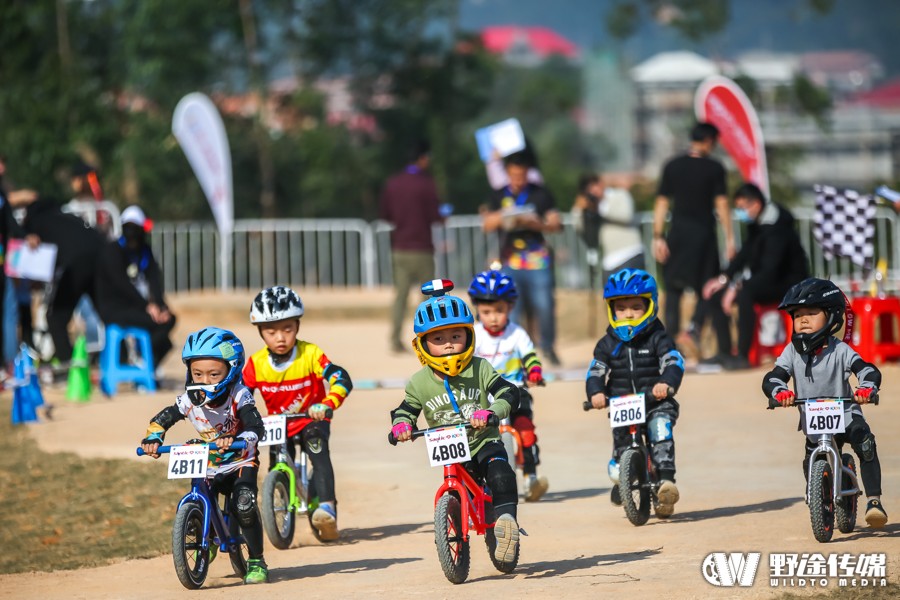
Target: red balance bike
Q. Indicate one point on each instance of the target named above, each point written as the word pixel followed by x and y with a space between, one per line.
pixel 461 503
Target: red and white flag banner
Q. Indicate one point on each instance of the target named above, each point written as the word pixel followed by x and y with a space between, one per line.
pixel 723 103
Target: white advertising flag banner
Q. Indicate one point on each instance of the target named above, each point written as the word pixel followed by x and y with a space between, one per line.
pixel 199 129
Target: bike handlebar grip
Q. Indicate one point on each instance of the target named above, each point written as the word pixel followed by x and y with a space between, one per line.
pixel 391 439
pixel 493 421
pixel 587 405
pixel 773 404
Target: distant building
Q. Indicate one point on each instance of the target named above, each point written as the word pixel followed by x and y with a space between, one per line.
pixel 843 73
pixel 527 46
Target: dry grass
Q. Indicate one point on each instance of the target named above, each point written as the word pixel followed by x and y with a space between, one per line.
pixel 65 512
pixel 848 593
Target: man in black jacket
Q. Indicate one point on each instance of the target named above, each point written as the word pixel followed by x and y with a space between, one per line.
pixel 772 255
pixel 129 285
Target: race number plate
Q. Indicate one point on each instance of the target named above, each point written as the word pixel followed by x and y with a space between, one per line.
pixel 447 446
pixel 626 410
pixel 187 462
pixel 276 430
pixel 824 416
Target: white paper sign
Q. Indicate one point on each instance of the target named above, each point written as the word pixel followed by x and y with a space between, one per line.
pixel 447 446
pixel 276 430
pixel 505 138
pixel 188 462
pixel 24 263
pixel 626 410
pixel 824 416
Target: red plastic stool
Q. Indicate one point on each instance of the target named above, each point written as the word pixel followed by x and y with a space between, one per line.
pixel 871 314
pixel 757 349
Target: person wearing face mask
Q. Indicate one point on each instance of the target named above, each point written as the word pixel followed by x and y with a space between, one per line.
pixel 129 289
pixel 771 260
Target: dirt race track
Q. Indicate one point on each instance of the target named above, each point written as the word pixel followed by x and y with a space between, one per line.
pixel 738 471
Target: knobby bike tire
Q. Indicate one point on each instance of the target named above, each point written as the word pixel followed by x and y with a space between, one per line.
pixel 453 551
pixel 191 561
pixel 845 506
pixel 821 503
pixel 278 517
pixel 633 486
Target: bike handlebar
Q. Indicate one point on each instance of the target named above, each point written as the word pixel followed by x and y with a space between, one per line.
pixel 587 405
pixel 773 403
pixel 238 445
pixel 492 421
pixel 328 414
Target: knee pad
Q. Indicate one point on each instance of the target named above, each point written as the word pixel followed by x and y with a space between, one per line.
pixel 526 431
pixel 501 478
pixel 245 506
pixel 316 439
pixel 866 448
pixel 659 428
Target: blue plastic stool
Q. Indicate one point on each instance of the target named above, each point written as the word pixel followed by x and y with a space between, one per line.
pixel 113 372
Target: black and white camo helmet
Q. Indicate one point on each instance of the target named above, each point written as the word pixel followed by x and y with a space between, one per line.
pixel 275 304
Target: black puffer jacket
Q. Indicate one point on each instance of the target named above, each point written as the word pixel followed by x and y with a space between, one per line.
pixel 620 368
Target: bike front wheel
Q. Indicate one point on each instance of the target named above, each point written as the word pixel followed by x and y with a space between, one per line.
pixel 191 560
pixel 821 502
pixel 845 506
pixel 452 548
pixel 275 510
pixel 237 553
pixel 634 486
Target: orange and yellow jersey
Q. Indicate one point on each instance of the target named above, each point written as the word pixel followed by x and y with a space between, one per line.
pixel 307 377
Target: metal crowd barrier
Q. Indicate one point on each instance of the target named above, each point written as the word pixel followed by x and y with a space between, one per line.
pixel 355 253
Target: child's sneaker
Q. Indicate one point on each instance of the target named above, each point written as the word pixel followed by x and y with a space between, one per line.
pixel 325 520
pixel 535 487
pixel 506 534
pixel 615 496
pixel 667 494
pixel 876 517
pixel 257 571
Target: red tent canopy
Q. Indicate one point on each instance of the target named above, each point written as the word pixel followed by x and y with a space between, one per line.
pixel 542 41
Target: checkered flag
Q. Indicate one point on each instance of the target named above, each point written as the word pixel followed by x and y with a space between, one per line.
pixel 845 224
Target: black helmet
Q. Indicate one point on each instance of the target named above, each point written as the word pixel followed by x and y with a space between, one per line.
pixel 819 293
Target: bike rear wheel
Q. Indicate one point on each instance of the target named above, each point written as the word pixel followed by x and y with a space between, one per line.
pixel 845 506
pixel 276 512
pixel 821 502
pixel 191 560
pixel 452 549
pixel 633 486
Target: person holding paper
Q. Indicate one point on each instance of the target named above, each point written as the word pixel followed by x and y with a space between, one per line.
pixel 129 285
pixel 524 211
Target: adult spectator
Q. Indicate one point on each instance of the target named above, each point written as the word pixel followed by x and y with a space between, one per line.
pixel 78 247
pixel 129 285
pixel 409 201
pixel 605 217
pixel 525 211
pixel 693 186
pixel 771 260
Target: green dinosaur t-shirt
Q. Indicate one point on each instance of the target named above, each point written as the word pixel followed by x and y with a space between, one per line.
pixel 471 388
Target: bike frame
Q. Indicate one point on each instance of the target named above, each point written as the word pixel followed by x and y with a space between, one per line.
pixel 828 447
pixel 638 433
pixel 204 496
pixel 472 498
pixel 298 503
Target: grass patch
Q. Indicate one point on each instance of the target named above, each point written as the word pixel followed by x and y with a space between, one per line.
pixel 63 511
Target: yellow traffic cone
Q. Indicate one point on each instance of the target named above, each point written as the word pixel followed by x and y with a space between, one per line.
pixel 79 388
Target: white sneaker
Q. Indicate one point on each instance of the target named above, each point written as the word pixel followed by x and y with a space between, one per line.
pixel 325 520
pixel 535 487
pixel 506 532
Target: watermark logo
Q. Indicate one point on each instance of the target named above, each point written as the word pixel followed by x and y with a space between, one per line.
pixel 817 570
pixel 728 570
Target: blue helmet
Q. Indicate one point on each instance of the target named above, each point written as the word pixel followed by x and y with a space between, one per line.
pixel 221 344
pixel 491 286
pixel 443 312
pixel 629 283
